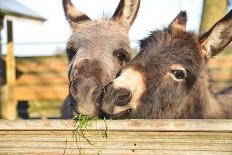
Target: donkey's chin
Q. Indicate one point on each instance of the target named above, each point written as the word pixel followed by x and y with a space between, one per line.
pixel 87 110
pixel 126 114
pixel 116 112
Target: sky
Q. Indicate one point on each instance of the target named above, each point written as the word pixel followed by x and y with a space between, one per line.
pixel 33 39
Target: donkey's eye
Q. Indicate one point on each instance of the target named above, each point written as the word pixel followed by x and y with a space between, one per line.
pixel 122 56
pixel 70 52
pixel 179 74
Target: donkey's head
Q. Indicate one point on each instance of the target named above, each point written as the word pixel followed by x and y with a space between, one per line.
pixel 96 51
pixel 167 78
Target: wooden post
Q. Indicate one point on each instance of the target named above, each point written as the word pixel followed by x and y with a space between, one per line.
pixel 9 106
pixel 2 77
pixel 1 27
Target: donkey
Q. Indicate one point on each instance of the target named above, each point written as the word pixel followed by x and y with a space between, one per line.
pixel 168 78
pixel 96 51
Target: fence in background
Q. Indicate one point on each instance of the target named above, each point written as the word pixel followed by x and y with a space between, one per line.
pixel 220 71
pixel 41 78
pixel 45 78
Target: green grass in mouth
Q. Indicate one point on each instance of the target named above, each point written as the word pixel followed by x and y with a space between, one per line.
pixel 83 126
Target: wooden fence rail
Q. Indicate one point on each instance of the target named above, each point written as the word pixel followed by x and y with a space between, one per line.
pixel 45 78
pixel 174 137
pixel 42 78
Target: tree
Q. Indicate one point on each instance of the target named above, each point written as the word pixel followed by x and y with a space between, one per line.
pixel 213 10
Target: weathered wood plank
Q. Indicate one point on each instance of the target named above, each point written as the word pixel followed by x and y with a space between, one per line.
pixel 224 62
pixel 57 151
pixel 160 137
pixel 58 92
pixel 200 138
pixel 2 67
pixel 132 145
pixel 221 75
pixel 214 125
pixel 47 79
pixel 8 107
pixel 43 66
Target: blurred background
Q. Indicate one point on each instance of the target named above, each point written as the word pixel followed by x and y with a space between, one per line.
pixel 34 35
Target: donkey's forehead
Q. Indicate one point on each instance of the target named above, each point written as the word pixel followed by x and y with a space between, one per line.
pixel 105 28
pixel 103 32
pixel 172 46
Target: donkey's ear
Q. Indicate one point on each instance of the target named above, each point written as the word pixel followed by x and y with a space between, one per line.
pixel 180 21
pixel 218 37
pixel 126 12
pixel 72 13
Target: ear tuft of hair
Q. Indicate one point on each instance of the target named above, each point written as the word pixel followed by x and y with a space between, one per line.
pixel 180 21
pixel 182 17
pixel 72 14
pixel 126 12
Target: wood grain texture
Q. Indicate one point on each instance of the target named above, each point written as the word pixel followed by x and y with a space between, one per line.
pixel 180 125
pixel 8 105
pixel 161 137
pixel 45 78
pixel 58 92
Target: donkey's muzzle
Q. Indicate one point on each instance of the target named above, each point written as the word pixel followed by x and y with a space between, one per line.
pixel 119 97
pixel 85 89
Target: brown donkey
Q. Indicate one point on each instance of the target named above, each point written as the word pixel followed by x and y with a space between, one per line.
pixel 168 78
pixel 97 50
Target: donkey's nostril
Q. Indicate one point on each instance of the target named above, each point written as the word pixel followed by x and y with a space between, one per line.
pixel 118 97
pixel 75 88
pixel 122 97
pixel 96 94
pixel 75 84
pixel 107 89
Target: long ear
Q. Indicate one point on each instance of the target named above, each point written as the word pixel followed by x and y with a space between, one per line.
pixel 72 13
pixel 126 12
pixel 180 21
pixel 218 37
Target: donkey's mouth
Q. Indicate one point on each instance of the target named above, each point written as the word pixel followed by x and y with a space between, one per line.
pixel 102 114
pixel 122 115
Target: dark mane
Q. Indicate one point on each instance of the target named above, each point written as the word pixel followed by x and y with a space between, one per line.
pixel 165 35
